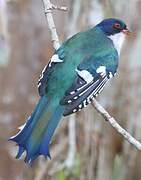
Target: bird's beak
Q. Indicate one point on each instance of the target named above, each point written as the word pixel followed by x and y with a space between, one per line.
pixel 127 32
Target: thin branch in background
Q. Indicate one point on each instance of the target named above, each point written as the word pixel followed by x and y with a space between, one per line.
pixel 69 162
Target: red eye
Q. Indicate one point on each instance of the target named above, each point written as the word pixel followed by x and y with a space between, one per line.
pixel 117 26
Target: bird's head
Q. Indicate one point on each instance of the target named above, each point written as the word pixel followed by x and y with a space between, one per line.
pixel 113 26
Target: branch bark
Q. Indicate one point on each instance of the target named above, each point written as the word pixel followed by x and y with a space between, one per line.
pixel 48 7
pixel 48 11
pixel 115 125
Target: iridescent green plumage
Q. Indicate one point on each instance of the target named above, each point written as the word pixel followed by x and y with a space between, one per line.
pixel 84 51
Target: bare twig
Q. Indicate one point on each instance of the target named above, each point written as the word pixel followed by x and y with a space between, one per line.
pixel 62 8
pixel 48 12
pixel 115 125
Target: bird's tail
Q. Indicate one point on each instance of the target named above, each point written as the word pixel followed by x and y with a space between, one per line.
pixel 35 136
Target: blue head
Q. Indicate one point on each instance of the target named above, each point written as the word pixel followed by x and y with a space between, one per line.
pixel 113 26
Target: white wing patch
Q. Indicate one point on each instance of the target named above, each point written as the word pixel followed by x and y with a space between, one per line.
pixel 41 76
pixel 87 76
pixel 55 59
pixel 101 70
pixel 110 75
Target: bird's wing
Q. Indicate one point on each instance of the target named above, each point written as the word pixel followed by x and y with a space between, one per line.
pixel 87 85
pixel 58 57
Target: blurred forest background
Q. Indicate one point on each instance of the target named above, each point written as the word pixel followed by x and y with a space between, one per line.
pixel 85 147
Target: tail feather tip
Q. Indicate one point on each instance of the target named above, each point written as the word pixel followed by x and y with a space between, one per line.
pixel 20 152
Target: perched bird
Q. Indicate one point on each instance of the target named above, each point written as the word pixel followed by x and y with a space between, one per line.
pixel 76 73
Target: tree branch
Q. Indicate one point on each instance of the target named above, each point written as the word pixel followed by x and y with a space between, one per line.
pixel 48 7
pixel 115 125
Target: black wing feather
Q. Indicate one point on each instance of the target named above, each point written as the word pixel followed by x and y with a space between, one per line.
pixel 84 95
pixel 77 88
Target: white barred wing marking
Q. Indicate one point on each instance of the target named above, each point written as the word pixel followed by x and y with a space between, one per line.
pixel 55 59
pixel 101 70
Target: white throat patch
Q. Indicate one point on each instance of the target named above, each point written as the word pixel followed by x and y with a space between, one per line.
pixel 117 41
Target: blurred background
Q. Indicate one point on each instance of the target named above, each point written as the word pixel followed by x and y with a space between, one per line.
pixel 84 147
